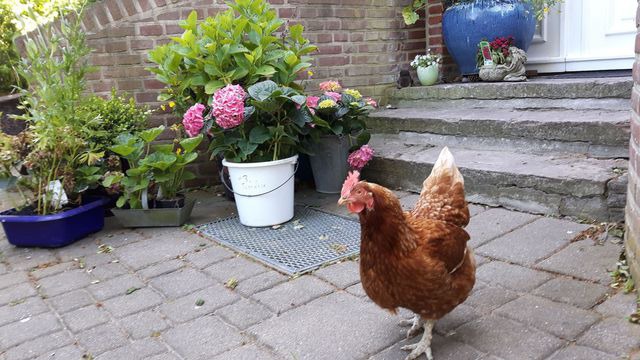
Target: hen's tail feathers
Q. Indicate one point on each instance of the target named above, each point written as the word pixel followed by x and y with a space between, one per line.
pixel 442 195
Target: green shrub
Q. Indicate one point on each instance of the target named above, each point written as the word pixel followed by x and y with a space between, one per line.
pixel 8 54
pixel 114 116
pixel 238 46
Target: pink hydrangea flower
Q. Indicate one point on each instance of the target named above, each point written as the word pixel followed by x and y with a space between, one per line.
pixel 330 86
pixel 359 158
pixel 312 101
pixel 334 95
pixel 193 120
pixel 371 102
pixel 228 106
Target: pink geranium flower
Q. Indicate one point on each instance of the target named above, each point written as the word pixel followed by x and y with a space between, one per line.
pixel 371 102
pixel 334 95
pixel 359 158
pixel 193 120
pixel 330 86
pixel 228 106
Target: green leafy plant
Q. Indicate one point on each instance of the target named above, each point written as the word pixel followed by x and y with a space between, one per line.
pixel 115 115
pixel 56 148
pixel 237 46
pixel 410 13
pixel 155 171
pixel 8 54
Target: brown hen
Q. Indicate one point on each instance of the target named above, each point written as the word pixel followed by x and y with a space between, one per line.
pixel 418 260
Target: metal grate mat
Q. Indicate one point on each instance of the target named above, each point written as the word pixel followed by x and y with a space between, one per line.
pixel 311 239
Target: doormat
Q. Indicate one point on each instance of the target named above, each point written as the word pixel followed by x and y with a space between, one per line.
pixel 312 238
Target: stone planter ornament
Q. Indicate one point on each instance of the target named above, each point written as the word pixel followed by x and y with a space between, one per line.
pixel 500 61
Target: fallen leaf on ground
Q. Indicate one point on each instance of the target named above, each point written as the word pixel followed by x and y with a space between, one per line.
pixel 131 290
pixel 339 248
pixel 199 302
pixel 104 249
pixel 231 283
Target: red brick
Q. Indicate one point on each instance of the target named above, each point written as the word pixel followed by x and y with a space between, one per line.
pixel 333 61
pixel 160 3
pixel 173 29
pixel 145 5
pixel 129 7
pixel 437 30
pixel 435 9
pixel 151 30
pixel 286 12
pixel 114 9
pixel 357 37
pixel 141 44
pixel 636 72
pixel 101 14
pixel 170 15
pixel 638 43
pixel 329 49
pixel 153 84
pixel 635 129
pixel 129 85
pixel 146 97
pixel 340 37
pixel 116 46
pixel 128 59
pixel 435 19
pixel 102 86
pixel 435 40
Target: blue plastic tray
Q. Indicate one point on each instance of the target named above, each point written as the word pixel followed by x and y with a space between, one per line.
pixel 54 230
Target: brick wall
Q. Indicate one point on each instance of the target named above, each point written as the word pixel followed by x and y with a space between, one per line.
pixel 435 41
pixel 632 235
pixel 363 43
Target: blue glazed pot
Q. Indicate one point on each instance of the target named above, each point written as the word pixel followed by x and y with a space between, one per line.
pixel 57 229
pixel 465 24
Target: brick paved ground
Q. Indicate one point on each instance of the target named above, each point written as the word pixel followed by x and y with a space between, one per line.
pixel 539 296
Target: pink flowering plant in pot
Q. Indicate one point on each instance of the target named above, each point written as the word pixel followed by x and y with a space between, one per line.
pixel 265 122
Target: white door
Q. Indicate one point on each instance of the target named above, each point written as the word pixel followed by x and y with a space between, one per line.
pixel 582 35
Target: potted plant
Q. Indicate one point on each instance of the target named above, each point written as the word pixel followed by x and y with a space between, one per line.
pixel 338 128
pixel 151 188
pixel 52 163
pixel 499 60
pixel 258 133
pixel 466 22
pixel 427 67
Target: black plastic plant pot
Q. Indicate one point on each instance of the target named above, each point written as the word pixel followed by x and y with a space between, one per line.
pixel 157 217
pixel 177 202
pixel 54 230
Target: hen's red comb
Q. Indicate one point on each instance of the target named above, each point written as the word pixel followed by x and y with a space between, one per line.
pixel 352 179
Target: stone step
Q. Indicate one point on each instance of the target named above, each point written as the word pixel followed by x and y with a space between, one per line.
pixel 568 185
pixel 598 128
pixel 547 88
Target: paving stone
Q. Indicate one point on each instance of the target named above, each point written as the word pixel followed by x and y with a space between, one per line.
pixel 202 338
pixel 119 237
pixel 65 353
pixel 27 329
pixel 165 356
pixel 562 320
pixel 575 292
pixel 136 350
pixel 208 256
pixel 142 325
pixel 52 269
pixel 28 258
pixel 70 301
pixel 79 249
pixel 139 300
pixel 30 307
pixel 13 278
pixel 443 348
pixel 163 246
pixel 507 339
pixel 16 293
pixel 244 313
pixel 613 336
pixel 572 259
pixel 293 293
pixel 513 277
pixel 409 202
pixel 162 268
pixel 342 275
pixel 239 268
pixel 575 352
pixel 493 223
pixel 460 315
pixel 3 269
pixel 85 318
pixel 489 298
pixel 369 330
pixel 534 242
pixel 102 338
pixel 38 346
pixel 357 290
pixel 107 271
pixel 185 309
pixel 480 260
pixel 257 283
pixel 475 209
pixel 114 287
pixel 620 305
pixel 247 352
pixel 181 282
pixel 64 282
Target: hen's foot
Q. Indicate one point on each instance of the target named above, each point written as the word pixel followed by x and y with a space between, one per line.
pixel 415 323
pixel 423 346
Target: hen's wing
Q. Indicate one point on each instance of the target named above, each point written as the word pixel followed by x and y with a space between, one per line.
pixel 442 195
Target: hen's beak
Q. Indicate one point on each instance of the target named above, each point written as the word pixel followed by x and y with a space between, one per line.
pixel 342 201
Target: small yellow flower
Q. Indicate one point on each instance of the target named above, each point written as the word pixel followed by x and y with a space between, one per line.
pixel 353 92
pixel 163 107
pixel 325 104
pixel 546 9
pixel 179 151
pixel 172 104
pixel 310 73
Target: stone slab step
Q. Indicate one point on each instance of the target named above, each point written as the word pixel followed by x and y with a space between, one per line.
pixel 599 132
pixel 548 88
pixel 569 185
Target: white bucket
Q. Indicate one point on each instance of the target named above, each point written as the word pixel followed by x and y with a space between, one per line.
pixel 263 191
